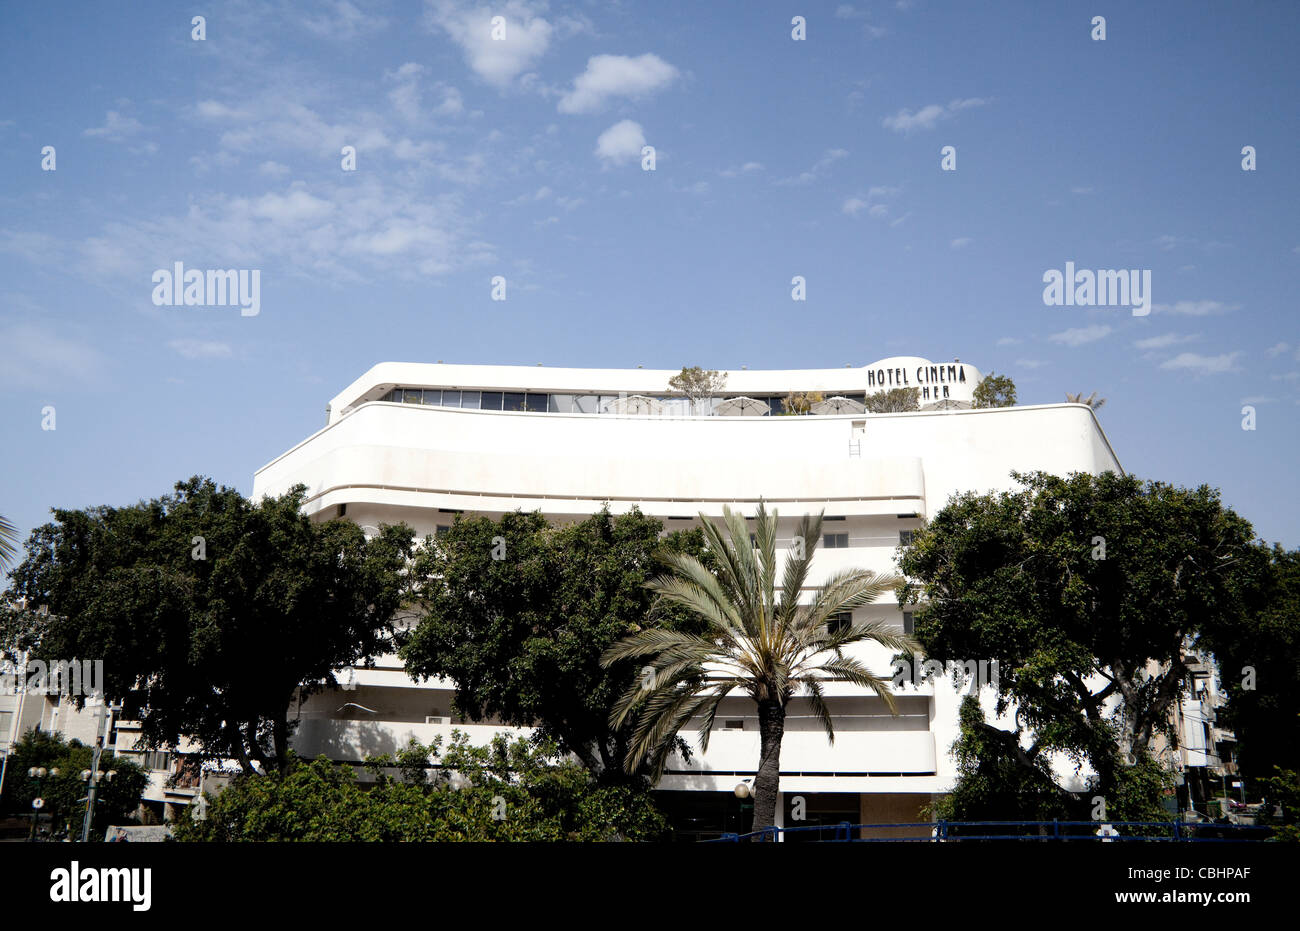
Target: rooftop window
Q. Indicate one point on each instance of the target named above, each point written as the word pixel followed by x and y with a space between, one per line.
pixel 537 402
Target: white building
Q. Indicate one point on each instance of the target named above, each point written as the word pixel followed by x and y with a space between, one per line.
pixel 422 442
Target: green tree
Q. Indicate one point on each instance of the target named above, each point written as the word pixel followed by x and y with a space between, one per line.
pixel 517 614
pixel 894 400
pixel 1259 657
pixel 994 391
pixel 211 613
pixel 697 384
pixel 1091 400
pixel 767 645
pixel 1086 590
pixel 509 790
pixel 64 794
pixel 800 402
pixel 8 544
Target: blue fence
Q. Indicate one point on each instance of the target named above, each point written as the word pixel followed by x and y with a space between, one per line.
pixel 929 832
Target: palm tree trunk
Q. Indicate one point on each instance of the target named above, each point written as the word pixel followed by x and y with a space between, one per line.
pixel 767 782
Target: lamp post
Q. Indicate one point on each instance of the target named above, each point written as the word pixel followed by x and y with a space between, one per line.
pixel 91 778
pixel 38 773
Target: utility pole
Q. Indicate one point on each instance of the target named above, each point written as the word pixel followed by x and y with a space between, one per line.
pixel 92 775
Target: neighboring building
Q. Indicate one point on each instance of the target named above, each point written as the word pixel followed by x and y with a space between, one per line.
pixel 421 443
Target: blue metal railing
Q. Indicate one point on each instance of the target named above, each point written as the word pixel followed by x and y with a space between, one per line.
pixel 1057 831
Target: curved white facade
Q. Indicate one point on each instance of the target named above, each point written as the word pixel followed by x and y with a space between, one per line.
pixel 876 476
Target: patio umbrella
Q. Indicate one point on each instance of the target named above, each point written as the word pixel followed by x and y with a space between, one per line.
pixel 839 405
pixel 742 407
pixel 635 404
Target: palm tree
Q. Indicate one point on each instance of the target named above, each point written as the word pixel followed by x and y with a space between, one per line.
pixel 8 544
pixel 761 642
pixel 1091 400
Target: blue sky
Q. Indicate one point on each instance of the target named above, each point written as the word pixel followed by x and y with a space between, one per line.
pixel 775 158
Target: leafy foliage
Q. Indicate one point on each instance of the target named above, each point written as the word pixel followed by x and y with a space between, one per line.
pixel 508 791
pixel 8 544
pixel 1259 656
pixel 768 646
pixel 522 635
pixel 697 384
pixel 994 391
pixel 1085 589
pixel 801 402
pixel 208 610
pixel 115 799
pixel 894 400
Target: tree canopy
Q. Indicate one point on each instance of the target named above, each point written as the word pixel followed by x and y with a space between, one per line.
pixel 994 391
pixel 64 794
pixel 1086 590
pixel 517 613
pixel 510 790
pixel 894 400
pixel 208 610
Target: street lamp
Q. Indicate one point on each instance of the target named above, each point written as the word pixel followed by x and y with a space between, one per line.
pixel 38 773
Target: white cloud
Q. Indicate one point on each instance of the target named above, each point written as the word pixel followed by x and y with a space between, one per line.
pixel 1195 308
pixel 1203 365
pixel 273 169
pixel 621 143
pixel 497 61
pixel 1277 349
pixel 1165 340
pixel 817 170
pixel 905 121
pixel 116 127
pixel 343 21
pixel 853 206
pixel 745 169
pixel 200 349
pixel 37 357
pixel 1079 336
pixel 1030 363
pixel 609 76
pixel 845 11
pixel 1010 341
pixel 1258 399
pixel 960 242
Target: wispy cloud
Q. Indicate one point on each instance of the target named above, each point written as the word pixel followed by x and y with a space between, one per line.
pixel 1165 340
pixel 905 121
pixel 200 349
pixel 818 170
pixel 1203 365
pixel 1195 308
pixel 342 20
pixel 1079 336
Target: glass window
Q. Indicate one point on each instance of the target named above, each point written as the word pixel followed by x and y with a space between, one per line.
pixel 904 538
pixel 775 406
pixel 412 396
pixel 560 404
pixel 835 541
pixel 909 624
pixel 585 404
pixel 442 530
pixel 469 399
pixel 451 399
pixel 491 401
pixel 840 620
pixel 433 396
pixel 514 401
pixel 535 402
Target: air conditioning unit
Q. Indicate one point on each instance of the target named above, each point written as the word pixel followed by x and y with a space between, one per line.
pixel 436 719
